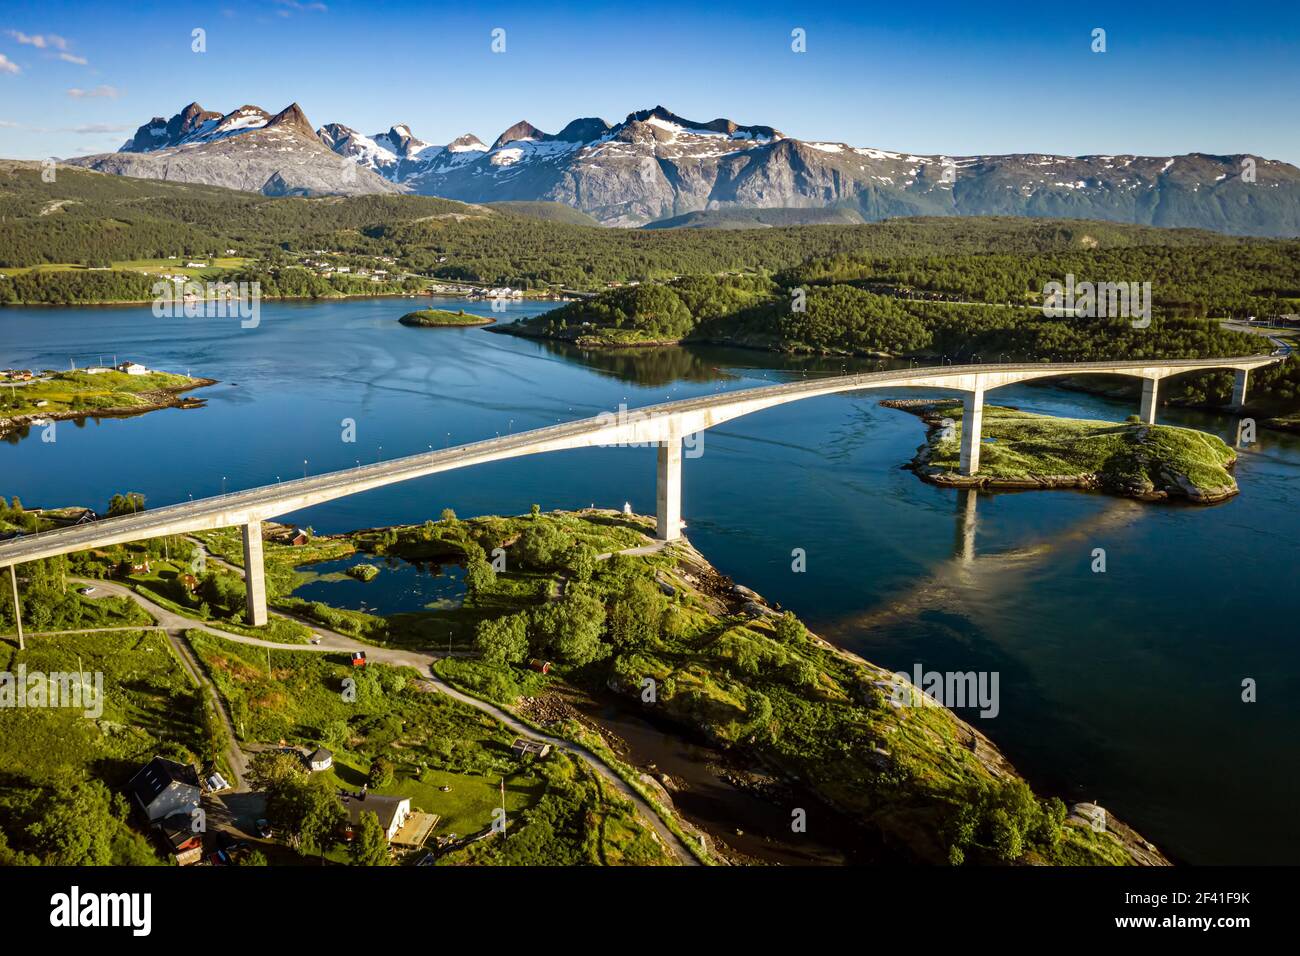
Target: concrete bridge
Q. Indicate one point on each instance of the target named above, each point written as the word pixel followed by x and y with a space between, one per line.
pixel 662 425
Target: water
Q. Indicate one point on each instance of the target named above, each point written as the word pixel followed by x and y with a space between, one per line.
pixel 399 587
pixel 1123 687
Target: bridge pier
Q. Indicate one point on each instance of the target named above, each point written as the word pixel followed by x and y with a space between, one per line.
pixel 18 608
pixel 668 489
pixel 1150 396
pixel 1239 388
pixel 972 423
pixel 254 574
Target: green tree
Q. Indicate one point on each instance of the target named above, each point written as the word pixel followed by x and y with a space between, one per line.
pixel 571 628
pixel 381 772
pixel 636 615
pixel 789 629
pixel 503 640
pixel 369 846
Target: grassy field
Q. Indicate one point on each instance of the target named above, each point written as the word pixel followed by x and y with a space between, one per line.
pixel 1123 458
pixel 65 392
pixel 214 269
pixel 433 318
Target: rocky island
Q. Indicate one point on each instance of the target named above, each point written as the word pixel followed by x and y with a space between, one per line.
pixel 1022 450
pixel 442 318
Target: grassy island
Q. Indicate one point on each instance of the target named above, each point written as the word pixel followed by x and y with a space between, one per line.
pixel 442 318
pixel 58 395
pixel 363 572
pixel 1024 450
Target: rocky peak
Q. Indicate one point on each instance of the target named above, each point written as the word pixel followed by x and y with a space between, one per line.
pixel 521 130
pixel 291 118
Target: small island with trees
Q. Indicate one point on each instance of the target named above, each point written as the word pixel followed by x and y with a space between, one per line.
pixel 442 318
pixel 1021 450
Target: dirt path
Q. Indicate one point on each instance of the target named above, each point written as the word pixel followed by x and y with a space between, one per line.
pixel 333 642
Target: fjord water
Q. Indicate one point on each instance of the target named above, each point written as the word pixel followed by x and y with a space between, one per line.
pixel 1122 687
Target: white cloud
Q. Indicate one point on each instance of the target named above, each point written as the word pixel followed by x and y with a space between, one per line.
pixel 99 92
pixel 41 41
pixel 7 65
pixel 301 7
pixel 54 44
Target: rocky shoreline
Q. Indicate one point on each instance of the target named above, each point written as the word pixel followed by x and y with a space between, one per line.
pixel 157 399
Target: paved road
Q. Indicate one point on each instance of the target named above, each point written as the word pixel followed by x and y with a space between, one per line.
pixel 648 424
pixel 333 642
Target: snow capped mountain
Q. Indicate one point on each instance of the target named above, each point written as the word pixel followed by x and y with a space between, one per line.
pixel 657 165
pixel 247 149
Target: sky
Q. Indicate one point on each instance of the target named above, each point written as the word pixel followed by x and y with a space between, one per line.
pixel 935 77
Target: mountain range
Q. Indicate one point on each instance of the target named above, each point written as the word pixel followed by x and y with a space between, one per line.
pixel 657 167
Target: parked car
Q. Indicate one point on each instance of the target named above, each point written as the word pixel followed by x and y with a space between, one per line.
pixel 315 640
pixel 264 829
pixel 358 658
pixel 87 590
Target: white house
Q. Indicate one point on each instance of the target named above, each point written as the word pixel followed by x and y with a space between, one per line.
pixel 391 811
pixel 322 759
pixel 133 368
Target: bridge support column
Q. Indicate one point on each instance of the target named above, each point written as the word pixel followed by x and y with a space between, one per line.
pixel 1239 388
pixel 1150 395
pixel 668 489
pixel 18 608
pixel 972 423
pixel 254 574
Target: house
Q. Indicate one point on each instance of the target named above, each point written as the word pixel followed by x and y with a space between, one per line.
pixel 87 517
pixel 322 759
pixel 185 844
pixel 141 567
pixel 358 658
pixel 189 582
pixel 164 787
pixel 133 368
pixel 300 537
pixel 391 811
pixel 542 667
pixel 524 748
pixel 96 369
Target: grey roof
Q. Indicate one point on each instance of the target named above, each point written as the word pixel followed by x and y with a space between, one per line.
pixel 321 754
pixel 159 774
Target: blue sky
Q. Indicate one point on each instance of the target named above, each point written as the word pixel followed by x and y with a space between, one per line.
pixel 930 78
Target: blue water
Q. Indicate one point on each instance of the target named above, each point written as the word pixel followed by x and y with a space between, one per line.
pixel 1123 687
pixel 400 585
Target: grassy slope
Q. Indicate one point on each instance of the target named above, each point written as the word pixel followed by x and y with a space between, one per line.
pixel 1125 458
pixel 558 814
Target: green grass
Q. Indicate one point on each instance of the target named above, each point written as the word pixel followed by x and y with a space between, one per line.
pixel 1127 458
pixel 441 317
pixel 558 813
pixel 149 705
pixel 83 392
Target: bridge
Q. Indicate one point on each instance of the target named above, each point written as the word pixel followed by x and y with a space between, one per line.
pixel 663 425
